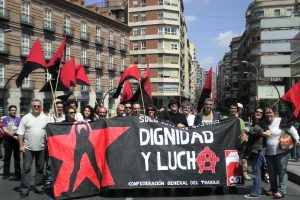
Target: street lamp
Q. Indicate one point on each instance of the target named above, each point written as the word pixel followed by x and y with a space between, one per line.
pixel 247 63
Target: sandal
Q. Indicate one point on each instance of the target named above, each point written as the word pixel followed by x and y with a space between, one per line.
pixel 278 195
pixel 269 193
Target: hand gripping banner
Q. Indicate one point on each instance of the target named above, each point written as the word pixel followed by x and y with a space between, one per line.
pixel 131 152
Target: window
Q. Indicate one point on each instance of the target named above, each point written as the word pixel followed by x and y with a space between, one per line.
pixel 135 18
pixel 135 3
pixel 122 44
pixel 135 59
pixel 143 45
pixel 67 24
pixel 160 30
pixel 83 55
pixel 25 44
pixel 174 46
pixel 47 49
pixel 67 53
pixel 98 32
pixel 256 38
pixel 111 83
pixel 2 81
pixel 143 31
pixel 111 39
pixel 143 16
pixel 98 56
pixel 47 18
pixel 135 32
pixel 83 30
pixel 135 46
pixel 160 2
pixel 122 64
pixel 160 15
pixel 47 77
pixel 111 61
pixel 143 2
pixel 25 11
pixel 289 12
pixel 98 83
pixel 259 14
pixel 1 39
pixel 173 30
pixel 277 13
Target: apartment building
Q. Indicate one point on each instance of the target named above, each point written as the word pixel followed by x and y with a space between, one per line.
pixel 159 31
pixel 97 42
pixel 264 50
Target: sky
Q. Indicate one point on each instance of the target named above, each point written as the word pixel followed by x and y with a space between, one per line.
pixel 211 25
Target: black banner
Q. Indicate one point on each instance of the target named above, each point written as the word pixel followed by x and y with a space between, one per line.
pixel 128 153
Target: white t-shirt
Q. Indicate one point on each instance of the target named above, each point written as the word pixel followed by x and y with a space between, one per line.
pixel 33 129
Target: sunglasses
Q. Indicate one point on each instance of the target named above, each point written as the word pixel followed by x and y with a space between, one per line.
pixel 127 107
pixel 259 112
pixel 35 106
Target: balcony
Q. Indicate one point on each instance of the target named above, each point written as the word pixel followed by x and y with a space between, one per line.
pixel 48 55
pixel 111 44
pixel 69 32
pixel 99 89
pixel 4 49
pixel 4 14
pixel 85 62
pixel 123 48
pixel 24 51
pixel 28 85
pixel 99 64
pixel 85 88
pixel 49 26
pixel 85 36
pixel 99 41
pixel 27 20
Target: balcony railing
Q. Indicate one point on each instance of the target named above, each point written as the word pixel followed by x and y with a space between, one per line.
pixel 4 14
pixel 49 26
pixel 111 44
pixel 99 40
pixel 99 89
pixel 48 55
pixel 123 47
pixel 84 36
pixel 4 48
pixel 85 62
pixel 24 51
pixel 28 85
pixel 27 20
pixel 99 64
pixel 112 68
pixel 69 32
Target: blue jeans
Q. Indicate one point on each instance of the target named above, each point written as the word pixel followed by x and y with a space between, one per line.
pixel 257 160
pixel 277 165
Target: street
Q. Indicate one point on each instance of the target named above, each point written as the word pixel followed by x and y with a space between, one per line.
pixel 9 190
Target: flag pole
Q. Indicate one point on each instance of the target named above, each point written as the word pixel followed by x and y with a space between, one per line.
pixel 142 97
pixel 53 94
pixel 275 103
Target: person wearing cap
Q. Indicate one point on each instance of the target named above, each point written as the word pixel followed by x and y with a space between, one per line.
pixel 174 116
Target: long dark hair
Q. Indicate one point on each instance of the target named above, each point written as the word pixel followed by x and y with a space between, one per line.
pixel 92 115
pixel 253 115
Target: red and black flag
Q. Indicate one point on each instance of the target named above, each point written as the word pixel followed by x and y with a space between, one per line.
pixel 54 63
pixel 66 78
pixel 127 92
pixel 293 97
pixel 81 77
pixel 131 72
pixel 146 89
pixel 35 60
pixel 206 91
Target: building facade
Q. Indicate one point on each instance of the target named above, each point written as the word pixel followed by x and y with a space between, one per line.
pixel 97 42
pixel 159 31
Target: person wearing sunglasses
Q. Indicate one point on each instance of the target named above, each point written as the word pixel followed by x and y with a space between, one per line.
pixel 32 143
pixel 256 144
pixel 70 114
pixel 151 111
pixel 128 108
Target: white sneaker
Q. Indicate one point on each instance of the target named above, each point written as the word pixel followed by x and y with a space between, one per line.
pixel 249 196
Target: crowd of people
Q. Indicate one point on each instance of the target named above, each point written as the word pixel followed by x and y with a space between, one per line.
pixel 258 143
